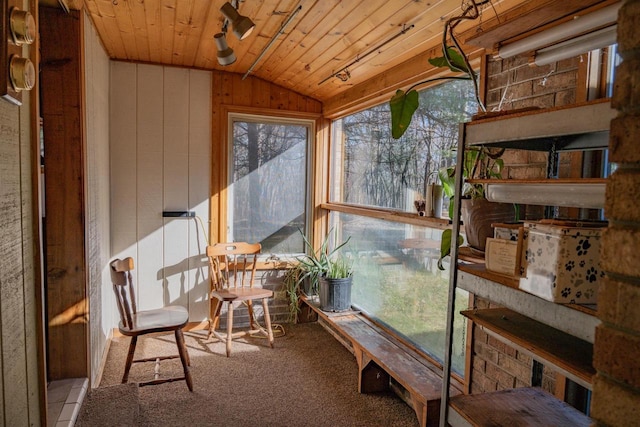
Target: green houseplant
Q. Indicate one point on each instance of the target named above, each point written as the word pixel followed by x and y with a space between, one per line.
pixel 477 213
pixel 304 275
pixel 334 286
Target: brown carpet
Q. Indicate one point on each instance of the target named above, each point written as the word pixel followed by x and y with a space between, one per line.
pixel 308 379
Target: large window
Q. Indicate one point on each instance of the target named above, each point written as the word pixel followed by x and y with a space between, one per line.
pixel 371 168
pixel 397 281
pixel 269 175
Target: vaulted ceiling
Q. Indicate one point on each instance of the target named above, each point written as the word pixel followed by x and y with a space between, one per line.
pixel 322 38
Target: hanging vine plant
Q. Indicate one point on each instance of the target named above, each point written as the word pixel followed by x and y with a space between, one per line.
pixel 404 104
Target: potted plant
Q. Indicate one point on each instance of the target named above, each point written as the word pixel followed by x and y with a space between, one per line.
pixel 335 284
pixel 304 275
pixel 476 211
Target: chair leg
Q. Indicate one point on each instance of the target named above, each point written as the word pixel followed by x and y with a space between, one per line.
pixel 267 321
pixel 252 321
pixel 127 365
pixel 184 357
pixel 229 327
pixel 215 318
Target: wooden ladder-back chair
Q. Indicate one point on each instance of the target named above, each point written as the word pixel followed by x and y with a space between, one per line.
pixel 134 323
pixel 233 267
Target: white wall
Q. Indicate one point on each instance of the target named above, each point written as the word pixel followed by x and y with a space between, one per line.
pixel 160 150
pixel 96 63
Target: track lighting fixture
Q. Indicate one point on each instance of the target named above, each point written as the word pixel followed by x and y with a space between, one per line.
pixel 241 25
pixel 225 53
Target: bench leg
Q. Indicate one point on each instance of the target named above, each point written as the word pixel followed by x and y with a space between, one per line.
pixel 372 377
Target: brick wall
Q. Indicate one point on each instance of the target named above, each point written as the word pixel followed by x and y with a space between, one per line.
pixel 513 84
pixel 616 390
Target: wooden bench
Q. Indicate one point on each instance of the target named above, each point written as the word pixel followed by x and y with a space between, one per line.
pixel 381 358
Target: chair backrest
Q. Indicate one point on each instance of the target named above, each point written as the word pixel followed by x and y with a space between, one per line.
pixel 123 288
pixel 233 265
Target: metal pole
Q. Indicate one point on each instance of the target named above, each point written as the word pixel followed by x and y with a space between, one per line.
pixel 453 279
pixel 273 39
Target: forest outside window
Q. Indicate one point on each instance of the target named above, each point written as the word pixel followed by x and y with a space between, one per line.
pixel 269 175
pixel 397 281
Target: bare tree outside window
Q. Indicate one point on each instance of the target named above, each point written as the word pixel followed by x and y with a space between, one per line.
pixel 378 170
pixel 269 177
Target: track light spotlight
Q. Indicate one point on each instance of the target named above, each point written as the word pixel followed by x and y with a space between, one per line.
pixel 241 25
pixel 225 53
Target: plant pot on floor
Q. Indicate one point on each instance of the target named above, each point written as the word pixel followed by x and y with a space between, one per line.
pixel 477 216
pixel 335 294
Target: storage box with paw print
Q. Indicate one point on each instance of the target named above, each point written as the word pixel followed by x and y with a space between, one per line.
pixel 561 260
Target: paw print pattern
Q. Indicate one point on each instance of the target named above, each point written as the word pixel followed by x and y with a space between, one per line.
pixel 539 252
pixel 566 292
pixel 530 257
pixel 583 247
pixel 570 265
pixel 582 263
pixel 592 275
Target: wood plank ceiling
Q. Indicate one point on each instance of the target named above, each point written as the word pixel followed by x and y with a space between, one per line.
pixel 322 38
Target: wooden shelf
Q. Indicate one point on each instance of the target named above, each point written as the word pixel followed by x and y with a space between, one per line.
pixel 569 355
pixel 525 406
pixel 573 319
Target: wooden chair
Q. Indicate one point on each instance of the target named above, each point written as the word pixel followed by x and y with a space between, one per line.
pixel 233 267
pixel 134 323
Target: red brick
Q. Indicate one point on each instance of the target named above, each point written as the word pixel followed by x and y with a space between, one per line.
pixel 494 67
pixel 548 384
pixel 485 352
pixel 479 364
pixel 565 97
pixel 626 89
pixel 518 369
pixel 621 252
pixel 629 27
pixel 525 358
pixel 498 81
pixel 480 335
pixel 520 90
pixel 505 379
pixel 481 384
pixel 623 193
pixel 613 404
pixel 623 139
pixel 568 64
pixel 618 303
pixel 616 354
pixel 497 344
pixel 544 101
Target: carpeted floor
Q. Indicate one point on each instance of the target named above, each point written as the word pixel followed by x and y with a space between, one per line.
pixel 308 379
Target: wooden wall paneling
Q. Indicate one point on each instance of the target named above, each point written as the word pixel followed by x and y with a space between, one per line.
pixel 62 111
pixel 217 82
pixel 190 20
pixel 13 329
pixel 176 184
pixel 149 130
pixel 167 22
pixel 126 29
pixel 241 90
pixel 105 9
pixel 96 71
pixel 201 10
pixel 123 159
pixel 136 10
pixel 32 283
pixel 154 29
pixel 199 190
